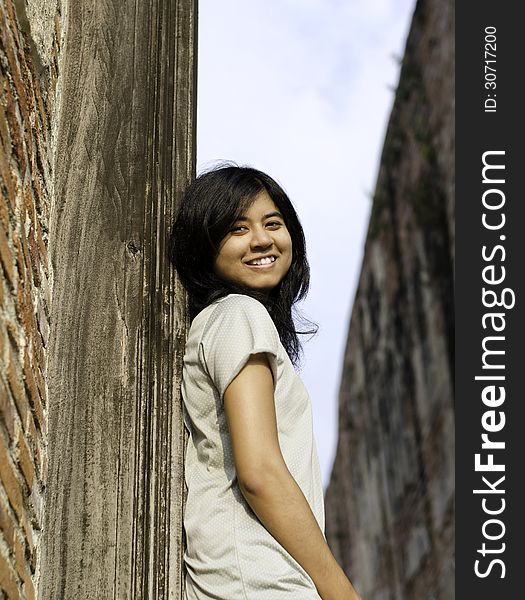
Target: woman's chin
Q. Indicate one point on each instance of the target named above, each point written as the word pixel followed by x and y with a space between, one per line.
pixel 260 286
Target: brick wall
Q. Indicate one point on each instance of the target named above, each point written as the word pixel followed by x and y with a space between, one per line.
pixel 30 34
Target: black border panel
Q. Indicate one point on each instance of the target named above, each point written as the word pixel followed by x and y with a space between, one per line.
pixel 489 124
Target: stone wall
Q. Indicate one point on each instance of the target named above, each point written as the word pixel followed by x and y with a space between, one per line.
pixel 390 501
pixel 30 47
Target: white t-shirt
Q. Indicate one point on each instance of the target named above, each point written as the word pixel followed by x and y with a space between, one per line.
pixel 230 555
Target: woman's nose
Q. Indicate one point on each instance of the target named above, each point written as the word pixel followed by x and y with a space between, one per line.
pixel 261 237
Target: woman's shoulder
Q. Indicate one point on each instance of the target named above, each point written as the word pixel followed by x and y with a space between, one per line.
pixel 233 308
pixel 232 303
pixel 230 309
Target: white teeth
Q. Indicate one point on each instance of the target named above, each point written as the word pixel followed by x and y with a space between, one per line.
pixel 263 261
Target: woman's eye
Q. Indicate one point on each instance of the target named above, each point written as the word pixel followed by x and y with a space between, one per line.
pixel 240 228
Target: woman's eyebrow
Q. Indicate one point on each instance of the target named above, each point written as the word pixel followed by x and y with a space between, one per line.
pixel 275 213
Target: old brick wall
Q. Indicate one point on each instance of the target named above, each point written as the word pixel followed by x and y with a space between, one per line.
pixel 390 501
pixel 30 42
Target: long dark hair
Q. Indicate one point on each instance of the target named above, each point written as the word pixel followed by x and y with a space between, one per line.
pixel 209 207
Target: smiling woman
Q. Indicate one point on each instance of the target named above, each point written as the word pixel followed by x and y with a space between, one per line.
pixel 254 515
pixel 228 217
pixel 257 253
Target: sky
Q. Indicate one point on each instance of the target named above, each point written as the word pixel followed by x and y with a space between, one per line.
pixel 302 89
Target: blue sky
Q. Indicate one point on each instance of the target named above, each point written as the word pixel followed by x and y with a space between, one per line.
pixel 302 89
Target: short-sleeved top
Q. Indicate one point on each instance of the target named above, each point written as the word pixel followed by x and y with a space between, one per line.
pixel 229 554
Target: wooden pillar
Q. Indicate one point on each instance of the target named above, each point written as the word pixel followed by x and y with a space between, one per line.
pixel 126 148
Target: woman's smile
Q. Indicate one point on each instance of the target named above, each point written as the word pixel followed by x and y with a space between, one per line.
pixel 261 263
pixel 258 250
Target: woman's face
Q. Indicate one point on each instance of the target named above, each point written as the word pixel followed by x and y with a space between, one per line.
pixel 259 232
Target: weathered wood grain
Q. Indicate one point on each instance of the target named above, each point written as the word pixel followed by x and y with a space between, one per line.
pixel 126 148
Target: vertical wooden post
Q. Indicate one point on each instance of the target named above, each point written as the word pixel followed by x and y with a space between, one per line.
pixel 126 148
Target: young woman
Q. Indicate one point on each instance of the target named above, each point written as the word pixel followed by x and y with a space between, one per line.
pixel 254 515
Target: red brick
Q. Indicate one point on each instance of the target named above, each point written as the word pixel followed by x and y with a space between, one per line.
pixel 38 351
pixel 21 250
pixel 7 409
pixel 7 178
pixel 5 175
pixel 28 203
pixel 32 437
pixel 24 310
pixel 29 378
pixel 15 495
pixel 41 385
pixel 11 33
pixel 12 328
pixel 6 522
pixel 4 213
pixel 25 461
pixel 36 179
pixel 12 121
pixel 29 590
pixel 34 394
pixel 15 380
pixel 10 482
pixel 4 131
pixel 16 126
pixel 25 250
pixel 25 61
pixel 8 579
pixel 35 256
pixel 6 257
pixel 22 567
pixel 12 21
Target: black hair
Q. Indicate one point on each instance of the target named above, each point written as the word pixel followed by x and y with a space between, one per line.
pixel 209 207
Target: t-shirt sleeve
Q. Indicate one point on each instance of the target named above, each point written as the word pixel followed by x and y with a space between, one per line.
pixel 238 327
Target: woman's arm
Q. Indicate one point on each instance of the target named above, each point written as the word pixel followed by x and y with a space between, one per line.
pixel 268 486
